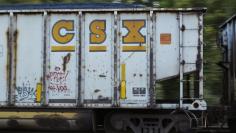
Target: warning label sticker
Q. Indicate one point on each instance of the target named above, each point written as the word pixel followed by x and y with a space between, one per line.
pixel 139 91
pixel 165 39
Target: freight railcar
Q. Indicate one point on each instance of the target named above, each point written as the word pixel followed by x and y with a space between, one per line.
pixel 227 39
pixel 83 67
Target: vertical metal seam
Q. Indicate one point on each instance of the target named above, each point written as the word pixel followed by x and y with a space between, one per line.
pixel 115 60
pixel 44 57
pixel 154 46
pixel 14 44
pixel 201 58
pixel 13 34
pixel 82 47
pixel 118 58
pixel 233 60
pixel 181 67
pixel 8 61
pixel 47 44
pixel 10 47
pixel 151 78
pixel 79 58
pixel 228 70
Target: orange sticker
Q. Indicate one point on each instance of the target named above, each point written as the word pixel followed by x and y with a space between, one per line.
pixel 165 38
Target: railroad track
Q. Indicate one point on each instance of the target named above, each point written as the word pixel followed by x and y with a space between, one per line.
pixel 28 131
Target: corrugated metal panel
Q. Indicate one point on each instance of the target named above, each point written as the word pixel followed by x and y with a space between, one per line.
pixel 29 61
pixel 4 67
pixel 62 77
pixel 133 58
pixel 98 59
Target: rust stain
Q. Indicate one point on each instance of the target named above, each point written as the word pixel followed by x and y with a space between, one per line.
pixel 8 60
pixel 15 38
pixel 97 90
pixel 12 36
pixel 66 60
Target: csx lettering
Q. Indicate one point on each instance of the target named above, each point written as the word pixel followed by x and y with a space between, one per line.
pixel 97 31
pixel 134 35
pixel 68 25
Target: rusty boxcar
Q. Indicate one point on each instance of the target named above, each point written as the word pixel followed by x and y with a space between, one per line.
pixel 81 66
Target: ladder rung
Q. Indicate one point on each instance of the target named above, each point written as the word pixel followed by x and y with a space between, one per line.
pixel 192 29
pixel 191 98
pixel 189 46
pixel 190 80
pixel 187 63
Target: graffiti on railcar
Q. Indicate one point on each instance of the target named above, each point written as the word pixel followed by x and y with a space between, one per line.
pixel 57 80
pixel 25 92
pixel 66 60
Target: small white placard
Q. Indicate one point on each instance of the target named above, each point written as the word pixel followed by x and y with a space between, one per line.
pixel 1 51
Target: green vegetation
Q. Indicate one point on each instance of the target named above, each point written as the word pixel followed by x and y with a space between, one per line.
pixel 218 12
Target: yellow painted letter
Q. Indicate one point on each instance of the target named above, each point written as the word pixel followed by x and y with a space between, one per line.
pixel 97 31
pixel 134 35
pixel 68 25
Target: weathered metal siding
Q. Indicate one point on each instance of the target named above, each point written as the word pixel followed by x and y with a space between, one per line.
pixel 133 58
pixel 4 67
pixel 97 58
pixel 86 58
pixel 167 52
pixel 191 41
pixel 62 75
pixel 29 59
pixel 168 40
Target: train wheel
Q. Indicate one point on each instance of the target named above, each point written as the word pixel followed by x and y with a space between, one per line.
pixel 183 124
pixel 115 125
pixel 146 123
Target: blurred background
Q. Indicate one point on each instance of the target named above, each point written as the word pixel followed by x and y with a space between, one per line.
pixel 218 11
